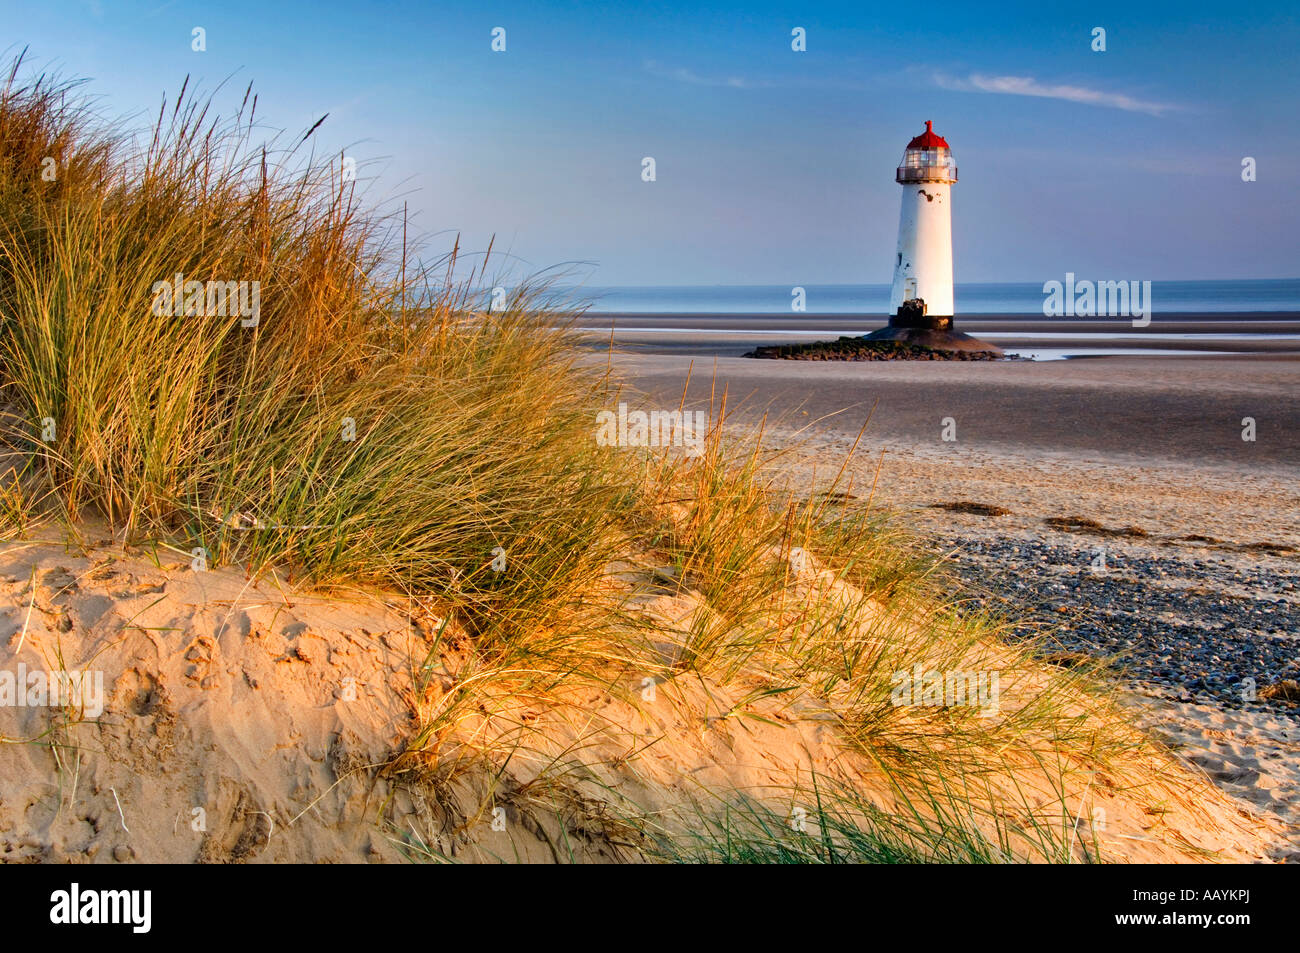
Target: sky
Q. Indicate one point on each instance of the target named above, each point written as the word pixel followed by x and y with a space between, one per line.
pixel 772 166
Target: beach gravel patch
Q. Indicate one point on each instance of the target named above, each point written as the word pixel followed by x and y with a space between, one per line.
pixel 975 509
pixel 1198 629
pixel 1082 524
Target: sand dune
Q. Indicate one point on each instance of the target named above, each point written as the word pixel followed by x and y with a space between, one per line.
pixel 251 722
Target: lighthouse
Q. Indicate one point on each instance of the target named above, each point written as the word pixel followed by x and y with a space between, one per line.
pixel 920 299
pixel 922 289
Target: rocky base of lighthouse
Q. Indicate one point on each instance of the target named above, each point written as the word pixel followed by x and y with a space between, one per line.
pixel 939 339
pixel 862 349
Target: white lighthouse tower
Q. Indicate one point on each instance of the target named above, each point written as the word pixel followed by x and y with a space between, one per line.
pixel 923 264
pixel 920 300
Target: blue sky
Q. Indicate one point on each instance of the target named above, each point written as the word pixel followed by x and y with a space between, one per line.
pixel 773 167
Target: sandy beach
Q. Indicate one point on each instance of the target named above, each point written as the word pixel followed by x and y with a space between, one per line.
pixel 296 698
pixel 1137 459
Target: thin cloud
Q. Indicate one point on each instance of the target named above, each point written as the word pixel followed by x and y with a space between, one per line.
pixel 684 75
pixel 1028 86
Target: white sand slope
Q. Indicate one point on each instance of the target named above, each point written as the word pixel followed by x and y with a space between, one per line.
pixel 1253 756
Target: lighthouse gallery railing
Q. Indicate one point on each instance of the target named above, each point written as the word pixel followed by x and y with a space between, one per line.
pixel 926 173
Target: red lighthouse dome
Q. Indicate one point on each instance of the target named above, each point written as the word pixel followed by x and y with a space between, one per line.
pixel 928 140
pixel 927 159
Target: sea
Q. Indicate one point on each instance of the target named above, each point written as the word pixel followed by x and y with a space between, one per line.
pixel 1246 295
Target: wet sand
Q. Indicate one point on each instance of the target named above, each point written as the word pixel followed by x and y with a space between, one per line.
pixel 1186 410
pixel 725 335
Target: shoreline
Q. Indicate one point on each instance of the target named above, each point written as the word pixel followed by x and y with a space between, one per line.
pixel 1247 334
pixel 1224 316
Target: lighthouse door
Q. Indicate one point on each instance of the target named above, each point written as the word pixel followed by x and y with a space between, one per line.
pixel 909 289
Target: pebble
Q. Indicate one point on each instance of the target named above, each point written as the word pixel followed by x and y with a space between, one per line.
pixel 1178 624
